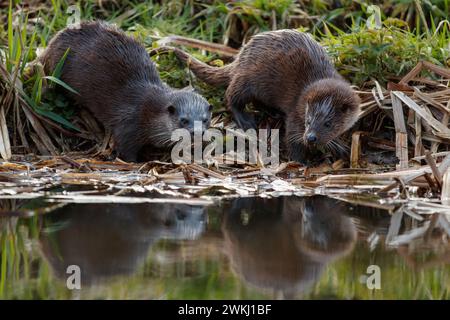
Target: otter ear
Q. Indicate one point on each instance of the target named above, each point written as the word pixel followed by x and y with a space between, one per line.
pixel 210 107
pixel 171 109
pixel 351 105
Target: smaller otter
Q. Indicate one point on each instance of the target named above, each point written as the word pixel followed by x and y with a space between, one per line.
pixel 289 71
pixel 117 81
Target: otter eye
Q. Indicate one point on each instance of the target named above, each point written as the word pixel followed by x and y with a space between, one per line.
pixel 347 107
pixel 171 109
pixel 327 124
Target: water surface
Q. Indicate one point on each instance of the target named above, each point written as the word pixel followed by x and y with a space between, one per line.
pixel 248 248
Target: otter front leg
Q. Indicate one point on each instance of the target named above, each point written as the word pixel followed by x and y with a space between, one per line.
pixel 237 96
pixel 243 119
pixel 126 144
pixel 299 152
pixel 127 152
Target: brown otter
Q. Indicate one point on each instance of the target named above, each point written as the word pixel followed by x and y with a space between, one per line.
pixel 289 71
pixel 116 80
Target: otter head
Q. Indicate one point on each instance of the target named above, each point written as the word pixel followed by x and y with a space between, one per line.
pixel 164 112
pixel 331 108
pixel 189 110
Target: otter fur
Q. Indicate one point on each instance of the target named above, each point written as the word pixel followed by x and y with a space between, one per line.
pixel 116 80
pixel 289 71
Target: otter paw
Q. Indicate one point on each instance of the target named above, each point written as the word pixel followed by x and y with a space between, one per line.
pixel 112 156
pixel 246 124
pixel 244 121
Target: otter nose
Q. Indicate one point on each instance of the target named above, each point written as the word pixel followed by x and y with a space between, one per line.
pixel 186 124
pixel 311 137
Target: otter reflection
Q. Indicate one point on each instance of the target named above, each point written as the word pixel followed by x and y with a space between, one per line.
pixel 105 240
pixel 284 244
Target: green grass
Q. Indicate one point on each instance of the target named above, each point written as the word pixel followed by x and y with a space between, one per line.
pixel 391 51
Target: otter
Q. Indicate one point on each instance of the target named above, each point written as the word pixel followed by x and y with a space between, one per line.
pixel 117 81
pixel 289 71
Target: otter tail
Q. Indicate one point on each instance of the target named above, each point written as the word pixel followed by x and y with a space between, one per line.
pixel 215 76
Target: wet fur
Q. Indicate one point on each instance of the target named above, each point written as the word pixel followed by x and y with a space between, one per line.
pixel 286 70
pixel 116 80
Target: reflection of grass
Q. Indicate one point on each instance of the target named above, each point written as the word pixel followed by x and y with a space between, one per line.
pixel 398 281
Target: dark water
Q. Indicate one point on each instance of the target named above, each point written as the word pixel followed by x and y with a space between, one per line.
pixel 248 248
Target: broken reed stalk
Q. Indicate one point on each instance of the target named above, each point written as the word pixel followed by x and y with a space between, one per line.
pixel 355 149
pixel 444 72
pixel 5 145
pixel 199 44
pixel 425 114
pixel 418 146
pixel 401 135
pixel 434 169
pixel 445 193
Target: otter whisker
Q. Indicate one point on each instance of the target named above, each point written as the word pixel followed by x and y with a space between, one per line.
pixel 336 148
pixel 295 137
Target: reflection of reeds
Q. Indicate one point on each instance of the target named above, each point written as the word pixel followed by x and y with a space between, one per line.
pixel 16 264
